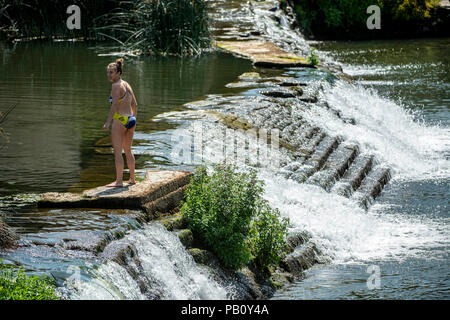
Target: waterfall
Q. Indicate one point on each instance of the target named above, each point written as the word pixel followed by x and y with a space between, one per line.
pixel 165 267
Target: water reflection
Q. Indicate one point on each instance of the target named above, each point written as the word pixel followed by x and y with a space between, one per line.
pixel 61 90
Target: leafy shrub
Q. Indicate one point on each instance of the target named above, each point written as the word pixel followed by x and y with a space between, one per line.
pixel 332 18
pixel 16 285
pixel 408 10
pixel 178 27
pixel 227 212
pixel 313 59
pixel 268 236
pixel 347 18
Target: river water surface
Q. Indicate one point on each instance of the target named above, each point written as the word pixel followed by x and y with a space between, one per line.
pixel 398 249
pixel 402 98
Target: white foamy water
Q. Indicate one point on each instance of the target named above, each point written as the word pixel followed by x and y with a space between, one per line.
pixel 110 282
pixel 410 147
pixel 164 260
pixel 345 232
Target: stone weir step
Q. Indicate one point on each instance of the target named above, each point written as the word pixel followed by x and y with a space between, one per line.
pixel 263 54
pixel 160 190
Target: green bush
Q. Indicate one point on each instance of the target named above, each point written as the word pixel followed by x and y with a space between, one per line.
pixel 313 59
pixel 227 211
pixel 268 236
pixel 347 18
pixel 408 10
pixel 178 27
pixel 16 285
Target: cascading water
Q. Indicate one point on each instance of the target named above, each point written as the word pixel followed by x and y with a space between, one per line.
pixel 401 230
pixel 344 232
pixel 164 267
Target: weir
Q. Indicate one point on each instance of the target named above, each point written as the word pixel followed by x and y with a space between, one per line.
pixel 267 98
pixel 159 191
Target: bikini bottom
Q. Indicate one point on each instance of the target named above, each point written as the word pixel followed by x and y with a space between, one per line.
pixel 128 121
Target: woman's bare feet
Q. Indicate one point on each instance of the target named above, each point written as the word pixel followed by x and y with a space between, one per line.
pixel 115 184
pixel 131 181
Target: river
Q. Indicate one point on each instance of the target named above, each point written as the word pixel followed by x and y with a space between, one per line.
pixel 397 249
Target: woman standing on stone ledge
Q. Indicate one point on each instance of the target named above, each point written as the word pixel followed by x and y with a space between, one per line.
pixel 123 113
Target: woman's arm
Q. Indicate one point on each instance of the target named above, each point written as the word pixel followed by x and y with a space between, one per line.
pixel 115 92
pixel 133 103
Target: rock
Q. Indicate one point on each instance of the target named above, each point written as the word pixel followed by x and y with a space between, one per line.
pixel 278 93
pixel 245 84
pixel 296 240
pixel 309 99
pixel 298 91
pixel 171 222
pixel 280 279
pixel 263 54
pixel 202 256
pixel 303 257
pixel 125 254
pixel 7 237
pixel 160 190
pixel 250 76
pixel 85 240
pixel 186 237
pixel 292 83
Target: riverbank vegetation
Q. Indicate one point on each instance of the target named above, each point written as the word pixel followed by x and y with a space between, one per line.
pixel 227 212
pixel 178 27
pixel 15 284
pixel 346 19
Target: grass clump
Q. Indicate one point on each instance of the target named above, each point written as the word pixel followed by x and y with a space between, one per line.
pixel 16 285
pixel 175 27
pixel 227 211
pixel 313 59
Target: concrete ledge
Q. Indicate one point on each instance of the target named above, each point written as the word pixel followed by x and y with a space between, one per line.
pixel 161 185
pixel 263 54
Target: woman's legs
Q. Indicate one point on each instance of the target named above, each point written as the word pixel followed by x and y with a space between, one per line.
pixel 117 137
pixel 131 162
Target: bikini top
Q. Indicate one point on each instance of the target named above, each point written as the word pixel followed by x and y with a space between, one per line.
pixel 120 99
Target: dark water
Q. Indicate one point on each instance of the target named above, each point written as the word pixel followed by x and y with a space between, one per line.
pixel 412 256
pixel 62 91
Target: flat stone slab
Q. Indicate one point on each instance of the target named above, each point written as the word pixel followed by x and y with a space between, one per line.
pixel 263 53
pixel 155 185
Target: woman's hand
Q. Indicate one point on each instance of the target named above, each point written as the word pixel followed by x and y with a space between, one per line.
pixel 105 127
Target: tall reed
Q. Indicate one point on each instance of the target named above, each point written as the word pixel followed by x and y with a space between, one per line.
pixel 177 27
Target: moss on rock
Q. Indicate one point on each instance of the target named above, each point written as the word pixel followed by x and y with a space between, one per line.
pixel 186 237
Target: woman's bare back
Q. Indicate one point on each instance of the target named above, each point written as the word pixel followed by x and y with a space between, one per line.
pixel 128 101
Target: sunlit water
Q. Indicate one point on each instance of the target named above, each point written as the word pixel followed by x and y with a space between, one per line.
pixel 401 106
pixel 61 91
pixel 405 234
